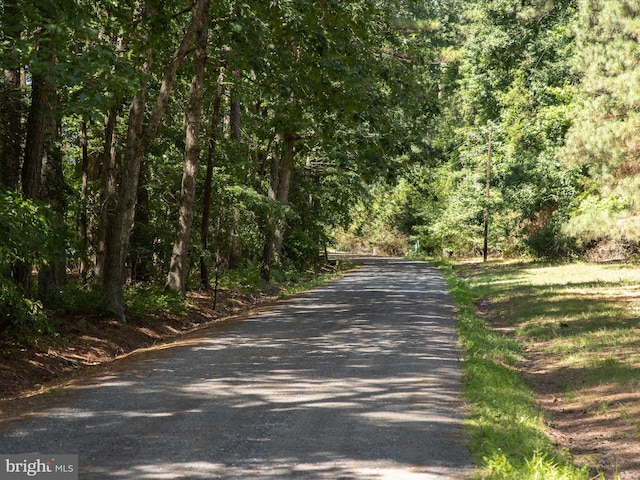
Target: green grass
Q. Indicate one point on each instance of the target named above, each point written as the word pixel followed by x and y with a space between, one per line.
pixel 579 322
pixel 507 429
pixel 582 315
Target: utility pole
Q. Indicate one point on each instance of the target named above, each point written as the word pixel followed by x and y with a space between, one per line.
pixel 486 197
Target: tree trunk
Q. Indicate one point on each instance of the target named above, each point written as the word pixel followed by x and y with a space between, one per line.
pixel 41 93
pixel 84 221
pixel 11 106
pixel 119 219
pixel 110 172
pixel 179 268
pixel 117 238
pixel 11 133
pixel 53 191
pixel 233 121
pixel 206 203
pixel 236 132
pixel 284 184
pixel 267 252
pixel 141 255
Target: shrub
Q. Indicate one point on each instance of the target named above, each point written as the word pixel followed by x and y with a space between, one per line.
pixel 29 233
pixel 301 249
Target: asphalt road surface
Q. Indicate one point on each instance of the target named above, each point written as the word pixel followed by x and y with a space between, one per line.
pixel 356 380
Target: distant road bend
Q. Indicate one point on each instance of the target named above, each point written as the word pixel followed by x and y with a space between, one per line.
pixel 356 380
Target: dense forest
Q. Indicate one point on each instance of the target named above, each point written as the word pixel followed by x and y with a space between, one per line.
pixel 160 141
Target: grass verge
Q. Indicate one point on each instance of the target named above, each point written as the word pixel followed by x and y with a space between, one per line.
pixel 507 428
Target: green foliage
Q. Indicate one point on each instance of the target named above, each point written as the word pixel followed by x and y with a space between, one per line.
pixel 509 79
pixel 603 137
pixel 143 300
pixel 380 221
pixel 390 105
pixel 301 249
pixel 75 297
pixel 24 315
pixel 243 278
pixel 450 221
pixel 596 218
pixel 29 233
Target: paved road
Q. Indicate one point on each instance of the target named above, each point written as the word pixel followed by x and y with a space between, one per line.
pixel 356 380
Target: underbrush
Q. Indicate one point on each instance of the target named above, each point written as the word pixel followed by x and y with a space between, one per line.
pixel 382 242
pixel 73 334
pixel 146 299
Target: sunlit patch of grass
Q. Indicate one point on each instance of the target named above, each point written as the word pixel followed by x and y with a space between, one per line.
pixel 600 409
pixel 506 427
pixel 581 322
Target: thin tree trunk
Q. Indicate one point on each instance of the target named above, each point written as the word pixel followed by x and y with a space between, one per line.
pixel 236 132
pixel 141 255
pixel 284 185
pixel 117 239
pixel 84 222
pixel 110 172
pixel 234 252
pixel 179 268
pixel 208 184
pixel 267 252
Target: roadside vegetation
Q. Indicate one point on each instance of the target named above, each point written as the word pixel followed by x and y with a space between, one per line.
pixel 74 334
pixel 551 367
pixel 153 152
pixel 158 143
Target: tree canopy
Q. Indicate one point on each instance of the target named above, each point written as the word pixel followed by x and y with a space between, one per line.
pixel 175 137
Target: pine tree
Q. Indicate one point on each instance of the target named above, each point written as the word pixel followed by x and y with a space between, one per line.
pixel 604 137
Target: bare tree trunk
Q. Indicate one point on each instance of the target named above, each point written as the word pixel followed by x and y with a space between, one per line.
pixel 84 222
pixel 53 190
pixel 110 172
pixel 269 234
pixel 41 93
pixel 119 220
pixel 118 234
pixel 206 203
pixel 284 184
pixel 179 268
